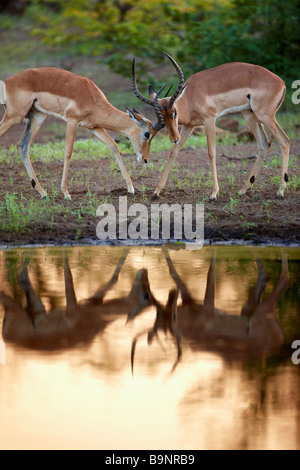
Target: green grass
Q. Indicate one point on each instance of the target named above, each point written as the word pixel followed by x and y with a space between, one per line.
pixel 92 149
pixel 20 50
pixel 287 119
pixel 18 213
pixel 89 149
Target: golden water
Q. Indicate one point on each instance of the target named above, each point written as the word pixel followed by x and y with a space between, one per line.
pixel 207 380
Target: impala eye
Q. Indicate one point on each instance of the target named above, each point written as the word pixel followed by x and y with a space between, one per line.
pixel 147 135
pixel 175 114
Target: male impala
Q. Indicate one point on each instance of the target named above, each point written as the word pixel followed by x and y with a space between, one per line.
pixel 165 323
pixel 35 94
pixel 229 88
pixel 253 333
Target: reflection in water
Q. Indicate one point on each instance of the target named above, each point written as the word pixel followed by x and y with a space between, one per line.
pixel 254 332
pixel 75 324
pixel 215 368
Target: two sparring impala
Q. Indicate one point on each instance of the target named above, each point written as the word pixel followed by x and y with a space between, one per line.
pixel 210 94
pixel 37 93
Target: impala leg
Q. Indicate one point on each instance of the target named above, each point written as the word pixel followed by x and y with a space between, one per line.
pixel 263 146
pixel 284 144
pixel 264 323
pixel 209 299
pixel 33 124
pixel 255 294
pixel 99 295
pixel 105 138
pixel 69 287
pixel 184 291
pixel 8 123
pixel 184 135
pixel 34 307
pixel 71 130
pixel 268 304
pixel 210 130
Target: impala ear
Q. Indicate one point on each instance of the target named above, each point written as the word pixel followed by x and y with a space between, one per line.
pixel 152 93
pixel 181 93
pixel 137 117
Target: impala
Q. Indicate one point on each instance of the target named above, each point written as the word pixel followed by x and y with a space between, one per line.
pixel 210 94
pixel 165 323
pixel 253 332
pixel 37 93
pixel 79 322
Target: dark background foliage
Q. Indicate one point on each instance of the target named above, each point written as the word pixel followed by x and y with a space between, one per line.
pixel 198 33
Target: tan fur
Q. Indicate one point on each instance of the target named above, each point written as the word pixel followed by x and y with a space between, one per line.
pixel 229 88
pixel 37 93
pixel 253 332
pixel 79 322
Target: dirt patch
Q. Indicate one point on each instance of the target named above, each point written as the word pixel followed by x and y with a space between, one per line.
pixel 257 217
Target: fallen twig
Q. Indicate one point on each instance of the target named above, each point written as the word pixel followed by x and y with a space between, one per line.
pixel 251 157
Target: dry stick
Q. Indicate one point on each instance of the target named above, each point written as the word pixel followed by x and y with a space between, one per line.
pixel 251 157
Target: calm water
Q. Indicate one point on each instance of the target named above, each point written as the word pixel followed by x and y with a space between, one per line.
pixel 106 348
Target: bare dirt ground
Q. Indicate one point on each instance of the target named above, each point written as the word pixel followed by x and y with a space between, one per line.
pixel 258 217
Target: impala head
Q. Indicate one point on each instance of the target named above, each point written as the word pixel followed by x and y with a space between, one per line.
pixel 164 322
pixel 165 107
pixel 140 296
pixel 142 135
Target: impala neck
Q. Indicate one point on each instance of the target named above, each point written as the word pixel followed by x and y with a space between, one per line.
pixel 116 120
pixel 183 108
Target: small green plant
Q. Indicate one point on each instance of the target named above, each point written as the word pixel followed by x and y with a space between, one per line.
pixel 233 204
pixel 246 224
pixel 231 180
pixel 266 205
pixel 294 182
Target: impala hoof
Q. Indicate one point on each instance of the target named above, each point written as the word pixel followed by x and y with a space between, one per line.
pixel 242 192
pixel 279 196
pixel 155 197
pixel 131 195
pixel 212 199
pixel 44 198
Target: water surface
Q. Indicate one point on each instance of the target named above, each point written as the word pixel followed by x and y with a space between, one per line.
pixel 149 348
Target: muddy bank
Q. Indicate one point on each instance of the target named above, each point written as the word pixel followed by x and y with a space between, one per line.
pixel 257 217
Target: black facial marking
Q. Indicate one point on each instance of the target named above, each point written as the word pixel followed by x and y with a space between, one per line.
pixel 252 179
pixel 33 184
pixel 286 178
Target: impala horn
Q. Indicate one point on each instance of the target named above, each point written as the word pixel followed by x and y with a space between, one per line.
pixel 180 85
pixel 154 103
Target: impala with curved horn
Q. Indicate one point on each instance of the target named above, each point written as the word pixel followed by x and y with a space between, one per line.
pixel 164 108
pixel 37 93
pixel 229 88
